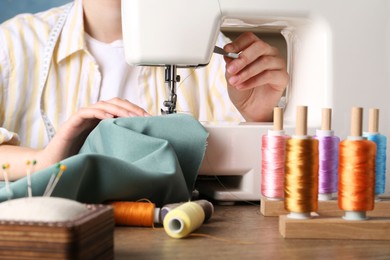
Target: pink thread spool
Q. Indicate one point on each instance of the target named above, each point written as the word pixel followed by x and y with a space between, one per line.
pixel 273 159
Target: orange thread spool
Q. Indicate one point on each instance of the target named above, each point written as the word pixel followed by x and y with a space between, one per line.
pixel 140 214
pixel 357 175
pixel 301 178
pixel 356 171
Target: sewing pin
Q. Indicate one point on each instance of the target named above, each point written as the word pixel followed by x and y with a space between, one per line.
pixel 7 185
pixel 29 172
pixel 51 180
pixel 56 180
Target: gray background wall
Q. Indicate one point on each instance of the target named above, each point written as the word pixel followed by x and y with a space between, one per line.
pixel 10 8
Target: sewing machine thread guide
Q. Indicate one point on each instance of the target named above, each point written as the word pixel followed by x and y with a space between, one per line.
pixel 221 51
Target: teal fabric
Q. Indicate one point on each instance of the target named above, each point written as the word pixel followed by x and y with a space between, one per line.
pixel 157 158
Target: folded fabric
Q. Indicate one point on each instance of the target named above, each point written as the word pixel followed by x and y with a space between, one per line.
pixel 155 158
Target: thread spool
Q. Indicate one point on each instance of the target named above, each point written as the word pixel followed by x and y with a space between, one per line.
pixel 328 146
pixel 207 207
pixel 139 214
pixel 183 220
pixel 273 148
pixel 381 143
pixel 356 171
pixel 301 172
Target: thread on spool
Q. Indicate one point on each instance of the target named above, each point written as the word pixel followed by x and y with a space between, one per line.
pixel 328 149
pixel 140 214
pixel 380 161
pixel 183 220
pixel 356 175
pixel 273 160
pixel 301 175
pixel 207 207
pixel 380 141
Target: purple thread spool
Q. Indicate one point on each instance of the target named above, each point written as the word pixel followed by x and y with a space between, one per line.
pixel 328 149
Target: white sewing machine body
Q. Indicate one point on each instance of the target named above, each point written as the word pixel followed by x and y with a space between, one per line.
pixel 338 56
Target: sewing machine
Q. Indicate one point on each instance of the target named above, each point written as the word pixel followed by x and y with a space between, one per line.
pixel 338 56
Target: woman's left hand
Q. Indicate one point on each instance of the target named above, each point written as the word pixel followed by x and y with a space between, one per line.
pixel 257 78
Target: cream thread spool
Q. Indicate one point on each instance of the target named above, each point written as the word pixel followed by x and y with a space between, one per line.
pixel 183 220
pixel 207 207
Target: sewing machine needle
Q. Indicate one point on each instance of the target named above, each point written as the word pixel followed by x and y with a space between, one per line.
pixel 221 51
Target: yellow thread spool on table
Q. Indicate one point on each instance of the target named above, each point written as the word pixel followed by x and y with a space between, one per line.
pixel 183 220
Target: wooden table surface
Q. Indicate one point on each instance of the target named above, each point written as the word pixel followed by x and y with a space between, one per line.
pixel 239 232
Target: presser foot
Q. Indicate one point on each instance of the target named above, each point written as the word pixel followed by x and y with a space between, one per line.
pixel 171 79
pixel 170 105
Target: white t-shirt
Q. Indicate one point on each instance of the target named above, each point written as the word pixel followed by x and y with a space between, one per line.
pixel 119 79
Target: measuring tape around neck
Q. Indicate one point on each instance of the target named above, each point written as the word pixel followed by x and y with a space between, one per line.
pixel 45 67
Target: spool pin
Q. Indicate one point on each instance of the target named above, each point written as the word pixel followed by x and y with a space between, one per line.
pixel 301 125
pixel 326 123
pixel 278 119
pixel 373 120
pixel 356 124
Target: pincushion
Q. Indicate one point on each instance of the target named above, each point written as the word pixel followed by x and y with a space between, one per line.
pixel 55 228
pixel 41 209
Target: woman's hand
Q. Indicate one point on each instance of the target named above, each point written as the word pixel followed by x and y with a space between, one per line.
pixel 69 138
pixel 257 79
pixel 72 134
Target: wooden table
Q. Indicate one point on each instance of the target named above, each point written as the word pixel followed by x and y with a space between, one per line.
pixel 247 234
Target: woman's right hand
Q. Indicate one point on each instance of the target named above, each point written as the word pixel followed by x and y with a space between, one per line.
pixel 69 138
pixel 72 134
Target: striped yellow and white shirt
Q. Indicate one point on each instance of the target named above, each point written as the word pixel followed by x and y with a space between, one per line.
pixel 74 79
